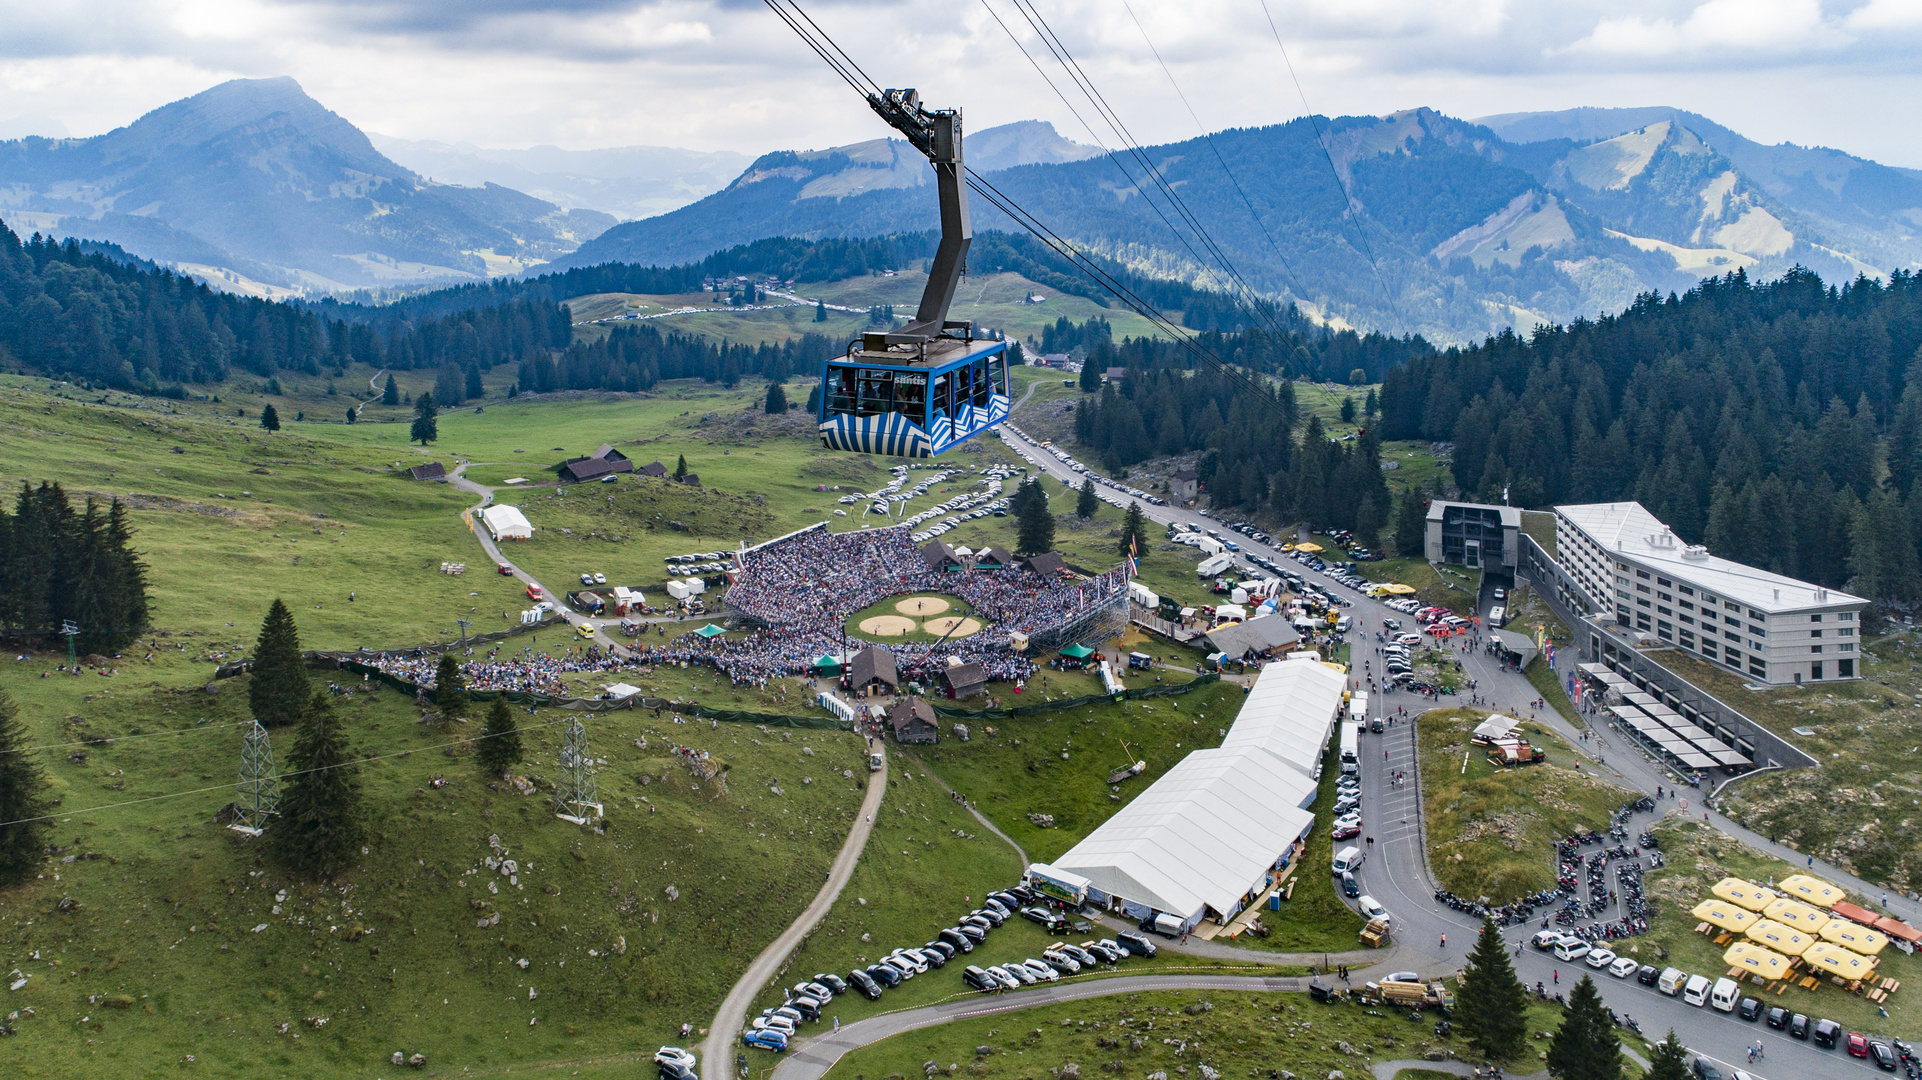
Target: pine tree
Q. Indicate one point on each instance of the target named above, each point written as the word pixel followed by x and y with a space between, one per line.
pixel 820 311
pixel 23 795
pixel 1134 532
pixel 475 388
pixel 499 748
pixel 1371 404
pixel 1088 503
pixel 1585 1047
pixel 680 467
pixel 1348 410
pixel 1411 525
pixel 270 419
pixel 776 402
pixel 1493 1003
pixel 321 827
pixel 814 400
pixel 277 688
pixel 1090 376
pixel 390 395
pixel 1035 523
pixel 450 689
pixel 426 426
pixel 353 415
pixel 1668 1059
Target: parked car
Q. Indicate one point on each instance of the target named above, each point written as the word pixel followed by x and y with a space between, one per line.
pixel 887 976
pixel 674 1055
pixel 865 984
pixel 1883 1055
pixel 1623 967
pixel 1750 1009
pixel 832 982
pixel 1349 886
pixel 1799 1026
pixel 1344 830
pixel 765 1039
pixel 1777 1017
pixel 1138 944
pixel 1647 974
pixel 1040 970
pixel 1599 957
pixel 1372 910
pixel 1858 1045
pixel 953 936
pixel 1062 962
pixel 979 979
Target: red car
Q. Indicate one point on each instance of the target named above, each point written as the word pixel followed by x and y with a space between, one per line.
pixel 1343 832
pixel 1858 1045
pixel 506 570
pixel 533 592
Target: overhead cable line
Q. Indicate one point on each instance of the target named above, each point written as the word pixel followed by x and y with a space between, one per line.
pixel 1348 200
pixel 1245 295
pixel 1219 159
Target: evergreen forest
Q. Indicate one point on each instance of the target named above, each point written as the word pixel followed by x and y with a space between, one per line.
pixel 61 566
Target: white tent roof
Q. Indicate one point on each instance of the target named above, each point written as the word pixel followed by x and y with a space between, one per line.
pixel 1290 713
pixel 1203 834
pixel 507 523
pixel 621 691
pixel 1497 727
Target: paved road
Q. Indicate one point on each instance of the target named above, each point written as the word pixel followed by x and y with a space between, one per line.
pixel 1397 874
pixel 723 1034
pixel 817 1054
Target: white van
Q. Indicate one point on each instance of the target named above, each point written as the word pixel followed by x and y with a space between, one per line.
pixel 1497 615
pixel 1726 993
pixel 1696 992
pixel 1671 981
pixel 1347 859
pixel 1167 926
pixel 1571 948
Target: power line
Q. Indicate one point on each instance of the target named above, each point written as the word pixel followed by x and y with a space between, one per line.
pixel 1348 200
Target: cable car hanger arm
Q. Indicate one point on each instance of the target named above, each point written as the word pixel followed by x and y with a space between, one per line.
pixel 937 134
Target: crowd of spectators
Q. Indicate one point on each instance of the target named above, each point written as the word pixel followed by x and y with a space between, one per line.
pixel 529 672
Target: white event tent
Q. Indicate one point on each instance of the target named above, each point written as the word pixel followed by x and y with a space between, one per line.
pixel 507 523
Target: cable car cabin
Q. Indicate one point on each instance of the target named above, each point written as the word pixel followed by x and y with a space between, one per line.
pixel 913 404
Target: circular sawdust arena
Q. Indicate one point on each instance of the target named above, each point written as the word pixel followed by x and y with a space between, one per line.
pixel 962 627
pixel 887 626
pixel 922 606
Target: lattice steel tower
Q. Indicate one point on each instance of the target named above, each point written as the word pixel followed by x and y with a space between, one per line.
pixel 578 798
pixel 258 795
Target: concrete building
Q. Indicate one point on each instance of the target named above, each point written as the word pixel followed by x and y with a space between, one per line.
pixel 1474 535
pixel 1764 626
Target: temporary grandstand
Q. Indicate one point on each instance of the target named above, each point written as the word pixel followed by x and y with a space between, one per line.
pixel 1210 834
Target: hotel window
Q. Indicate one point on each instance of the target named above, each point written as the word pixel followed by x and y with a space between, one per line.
pixel 1815 618
pixel 1639 602
pixel 1815 670
pixel 1815 648
pixel 1664 582
pixel 1815 633
pixel 1666 631
pixel 1688 639
pixel 1845 648
pixel 1732 635
pixel 1685 590
pixel 1731 605
pixel 1754 614
pixel 1664 596
pixel 1709 599
pixel 1686 606
pixel 1643 574
pixel 1662 610
pixel 1758 669
pixel 1641 588
pixel 1686 621
pixel 1845 631
pixel 1846 616
pixel 1757 631
pixel 1845 669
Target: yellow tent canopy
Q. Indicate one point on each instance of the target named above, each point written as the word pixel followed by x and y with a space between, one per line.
pixel 1796 915
pixel 1396 588
pixel 1743 894
pixel 1787 941
pixel 1857 939
pixel 1839 961
pixel 1752 957
pixel 1309 547
pixel 1725 915
pixel 1812 890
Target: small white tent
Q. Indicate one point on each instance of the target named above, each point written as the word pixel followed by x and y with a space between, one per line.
pixel 507 523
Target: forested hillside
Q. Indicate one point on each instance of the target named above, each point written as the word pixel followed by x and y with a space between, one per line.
pixel 1777 422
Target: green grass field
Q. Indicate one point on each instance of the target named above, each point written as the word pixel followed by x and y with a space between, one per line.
pixel 1492 832
pixel 1233 1033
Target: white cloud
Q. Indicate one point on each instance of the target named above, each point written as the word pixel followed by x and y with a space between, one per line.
pixel 1718 26
pixel 713 74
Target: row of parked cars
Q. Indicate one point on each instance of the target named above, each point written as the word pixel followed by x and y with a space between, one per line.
pixel 1061 958
pixel 1724 995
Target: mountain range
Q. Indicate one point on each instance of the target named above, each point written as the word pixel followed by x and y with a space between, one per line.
pixel 1425 223
pixel 254 185
pixel 624 181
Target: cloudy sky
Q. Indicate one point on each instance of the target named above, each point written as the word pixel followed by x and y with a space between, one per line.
pixel 726 74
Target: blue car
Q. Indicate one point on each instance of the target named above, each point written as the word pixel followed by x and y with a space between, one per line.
pixel 766 1039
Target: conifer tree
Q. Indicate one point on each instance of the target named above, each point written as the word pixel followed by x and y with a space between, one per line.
pixel 277 689
pixel 269 418
pixel 450 689
pixel 1668 1059
pixel 474 388
pixel 391 394
pixel 353 415
pixel 1411 525
pixel 1134 527
pixel 426 426
pixel 1347 410
pixel 1088 503
pixel 23 795
pixel 820 311
pixel 1035 527
pixel 321 828
pixel 1493 1002
pixel 776 402
pixel 1090 376
pixel 680 467
pixel 1585 1047
pixel 814 400
pixel 500 746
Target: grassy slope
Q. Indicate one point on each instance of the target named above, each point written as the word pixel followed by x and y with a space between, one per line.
pixel 1242 1034
pixel 1492 832
pixel 172 894
pixel 1698 857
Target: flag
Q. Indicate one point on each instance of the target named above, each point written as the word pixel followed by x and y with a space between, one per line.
pixel 1133 566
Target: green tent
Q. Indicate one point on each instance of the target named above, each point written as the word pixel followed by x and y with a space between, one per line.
pixel 710 631
pixel 1077 652
pixel 828 665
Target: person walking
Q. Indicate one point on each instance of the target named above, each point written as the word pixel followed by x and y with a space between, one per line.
pixel 1444 943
